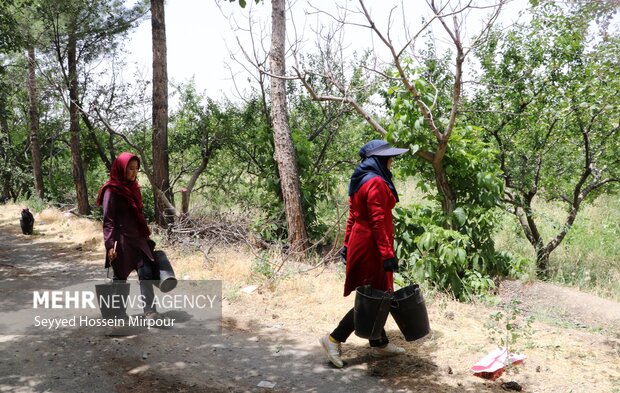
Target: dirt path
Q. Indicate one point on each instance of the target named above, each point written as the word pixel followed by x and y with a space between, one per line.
pixel 576 350
pixel 78 361
pixel 552 302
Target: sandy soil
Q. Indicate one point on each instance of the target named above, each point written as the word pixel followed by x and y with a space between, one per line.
pixel 271 335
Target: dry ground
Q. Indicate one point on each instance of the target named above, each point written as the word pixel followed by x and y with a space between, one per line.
pixel 272 334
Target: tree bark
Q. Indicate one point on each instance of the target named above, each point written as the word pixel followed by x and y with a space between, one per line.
pixel 93 136
pixel 448 200
pixel 186 192
pixel 33 112
pixel 160 113
pixel 79 178
pixel 542 262
pixel 5 142
pixel 284 151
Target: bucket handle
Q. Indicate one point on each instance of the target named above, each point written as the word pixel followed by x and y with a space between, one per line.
pixel 386 295
pixel 395 303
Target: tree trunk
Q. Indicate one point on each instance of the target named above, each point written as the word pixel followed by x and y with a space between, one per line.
pixel 33 112
pixel 160 113
pixel 283 144
pixel 542 253
pixel 448 200
pixel 93 136
pixel 5 143
pixel 79 178
pixel 186 192
pixel 526 219
pixel 542 262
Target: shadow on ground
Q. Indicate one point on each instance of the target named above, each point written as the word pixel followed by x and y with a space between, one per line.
pixel 237 360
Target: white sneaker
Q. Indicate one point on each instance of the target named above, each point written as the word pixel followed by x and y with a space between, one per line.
pixel 332 350
pixel 388 350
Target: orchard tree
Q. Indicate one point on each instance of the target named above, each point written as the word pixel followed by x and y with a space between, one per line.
pixel 411 92
pixel 550 103
pixel 10 42
pixel 81 33
pixel 452 246
pixel 200 127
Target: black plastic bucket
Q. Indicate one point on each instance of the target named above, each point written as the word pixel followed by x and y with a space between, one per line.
pixel 409 311
pixel 372 307
pixel 112 299
pixel 167 280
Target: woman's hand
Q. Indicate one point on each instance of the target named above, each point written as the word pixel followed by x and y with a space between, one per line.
pixel 390 265
pixel 111 254
pixel 343 255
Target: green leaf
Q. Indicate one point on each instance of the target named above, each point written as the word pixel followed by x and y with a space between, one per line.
pixel 460 215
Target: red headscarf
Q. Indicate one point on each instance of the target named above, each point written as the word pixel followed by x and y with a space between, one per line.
pixel 130 190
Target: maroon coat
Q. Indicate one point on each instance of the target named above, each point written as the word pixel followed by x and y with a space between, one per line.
pixel 121 225
pixel 369 236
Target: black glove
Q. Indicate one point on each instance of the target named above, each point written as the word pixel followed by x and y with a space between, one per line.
pixel 343 255
pixel 390 265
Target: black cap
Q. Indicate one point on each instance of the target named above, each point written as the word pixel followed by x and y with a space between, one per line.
pixel 380 148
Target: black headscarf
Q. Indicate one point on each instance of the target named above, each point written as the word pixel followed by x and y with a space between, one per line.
pixel 370 167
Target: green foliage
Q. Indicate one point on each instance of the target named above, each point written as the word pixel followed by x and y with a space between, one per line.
pixel 36 204
pixel 454 251
pixel 589 256
pixel 16 179
pixel 326 140
pixel 460 261
pixel 262 266
pixel 242 172
pixel 243 3
pixel 548 109
pixel 97 25
pixel 509 328
pixel 10 39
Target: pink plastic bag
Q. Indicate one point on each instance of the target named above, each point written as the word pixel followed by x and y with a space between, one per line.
pixel 494 364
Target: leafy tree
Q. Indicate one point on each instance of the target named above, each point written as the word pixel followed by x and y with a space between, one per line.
pixel 10 38
pixel 81 32
pixel 453 251
pixel 423 101
pixel 15 176
pixel 550 104
pixel 200 127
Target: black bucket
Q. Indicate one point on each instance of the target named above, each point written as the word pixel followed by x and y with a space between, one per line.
pixel 409 311
pixel 112 299
pixel 167 280
pixel 372 307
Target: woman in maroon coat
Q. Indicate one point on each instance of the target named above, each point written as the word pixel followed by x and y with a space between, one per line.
pixel 369 241
pixel 125 231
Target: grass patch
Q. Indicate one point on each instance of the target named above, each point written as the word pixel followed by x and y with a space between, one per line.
pixel 588 257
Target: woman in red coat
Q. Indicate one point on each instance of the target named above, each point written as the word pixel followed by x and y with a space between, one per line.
pixel 369 241
pixel 125 231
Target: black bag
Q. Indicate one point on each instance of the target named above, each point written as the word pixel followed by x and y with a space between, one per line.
pixel 112 298
pixel 409 311
pixel 372 307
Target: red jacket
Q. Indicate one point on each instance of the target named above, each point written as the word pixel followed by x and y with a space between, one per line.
pixel 369 236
